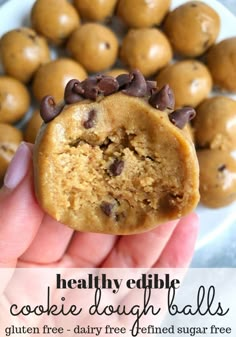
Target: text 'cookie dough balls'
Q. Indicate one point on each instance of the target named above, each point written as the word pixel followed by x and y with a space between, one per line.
pixel 54 19
pixel 22 51
pixel 221 61
pixel 10 139
pixel 215 123
pixel 192 28
pixel 217 178
pixel 33 127
pixel 94 46
pixel 14 100
pixel 146 49
pixel 189 79
pixel 95 10
pixel 142 13
pixel 114 164
pixel 51 78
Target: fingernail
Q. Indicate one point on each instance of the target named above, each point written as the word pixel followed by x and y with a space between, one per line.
pixel 18 167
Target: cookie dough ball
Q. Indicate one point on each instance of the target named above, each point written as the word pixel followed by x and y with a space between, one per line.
pixel 33 127
pixel 96 10
pixel 217 178
pixel 116 72
pixel 116 165
pixel 146 49
pixel 94 46
pixel 10 139
pixel 54 19
pixel 22 51
pixel 215 123
pixel 51 78
pixel 192 28
pixel 141 14
pixel 189 79
pixel 14 100
pixel 221 61
pixel 190 132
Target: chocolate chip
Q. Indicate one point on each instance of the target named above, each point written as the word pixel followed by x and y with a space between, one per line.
pixel 116 167
pixel 90 122
pixel 107 85
pixel 48 109
pixel 73 92
pixel 137 86
pixel 123 80
pixel 119 216
pixel 107 45
pixel 193 5
pixel 181 117
pixel 163 99
pixel 90 88
pixel 151 87
pixel 106 207
pixel 221 168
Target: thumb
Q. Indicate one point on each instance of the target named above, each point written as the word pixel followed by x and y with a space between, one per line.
pixel 20 215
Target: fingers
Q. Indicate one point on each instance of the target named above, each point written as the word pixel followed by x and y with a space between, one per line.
pixel 180 248
pixel 17 202
pixel 141 250
pixel 50 243
pixel 90 249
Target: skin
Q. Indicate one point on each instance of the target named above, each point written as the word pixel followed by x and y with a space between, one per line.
pixel 26 241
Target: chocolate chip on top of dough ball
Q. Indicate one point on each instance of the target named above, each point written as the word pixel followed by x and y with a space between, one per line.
pixel 190 80
pixel 54 19
pixel 217 178
pixel 192 28
pixel 221 61
pixel 10 139
pixel 14 99
pixel 95 10
pixel 146 49
pixel 215 123
pixel 51 78
pixel 111 161
pixel 142 13
pixel 22 51
pixel 94 46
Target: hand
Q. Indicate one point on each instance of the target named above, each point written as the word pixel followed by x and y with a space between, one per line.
pixel 31 238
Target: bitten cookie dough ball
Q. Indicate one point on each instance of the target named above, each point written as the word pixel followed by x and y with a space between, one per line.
pixel 22 51
pixel 33 127
pixel 221 61
pixel 10 139
pixel 94 46
pixel 14 100
pixel 116 164
pixel 146 49
pixel 190 81
pixel 192 28
pixel 217 178
pixel 95 10
pixel 54 19
pixel 141 14
pixel 215 123
pixel 51 78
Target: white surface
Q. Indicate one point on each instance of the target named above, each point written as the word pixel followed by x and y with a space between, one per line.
pixel 214 223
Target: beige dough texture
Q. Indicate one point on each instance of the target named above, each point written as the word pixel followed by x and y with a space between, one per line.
pixel 215 123
pixel 217 178
pixel 115 166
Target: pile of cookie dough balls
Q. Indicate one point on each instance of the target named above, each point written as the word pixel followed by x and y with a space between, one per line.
pixel 179 47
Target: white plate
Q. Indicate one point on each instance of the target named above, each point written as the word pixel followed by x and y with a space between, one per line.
pixel 15 13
